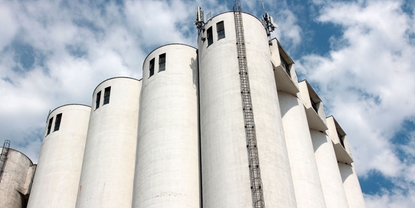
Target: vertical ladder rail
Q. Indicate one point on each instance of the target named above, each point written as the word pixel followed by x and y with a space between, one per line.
pixel 251 143
pixel 3 156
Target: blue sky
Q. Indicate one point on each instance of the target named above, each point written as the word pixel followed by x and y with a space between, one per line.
pixel 358 55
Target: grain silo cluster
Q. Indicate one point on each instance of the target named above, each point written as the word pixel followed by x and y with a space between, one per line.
pixel 226 124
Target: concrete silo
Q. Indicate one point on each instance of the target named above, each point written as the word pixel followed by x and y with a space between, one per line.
pixel 345 161
pixel 243 150
pixel 60 160
pixel 16 178
pixel 167 167
pixel 108 166
pixel 328 169
pixel 306 180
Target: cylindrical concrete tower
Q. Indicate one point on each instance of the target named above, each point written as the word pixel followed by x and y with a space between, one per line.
pixel 331 181
pixel 232 101
pixel 351 186
pixel 325 157
pixel 303 165
pixel 16 179
pixel 60 160
pixel 344 159
pixel 108 166
pixel 167 167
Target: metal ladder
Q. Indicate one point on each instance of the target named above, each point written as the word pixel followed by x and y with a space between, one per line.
pixel 251 143
pixel 3 156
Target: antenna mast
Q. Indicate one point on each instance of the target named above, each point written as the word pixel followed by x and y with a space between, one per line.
pixel 263 6
pixel 200 22
pixel 268 21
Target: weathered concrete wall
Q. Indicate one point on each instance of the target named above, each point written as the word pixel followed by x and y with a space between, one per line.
pixel 16 180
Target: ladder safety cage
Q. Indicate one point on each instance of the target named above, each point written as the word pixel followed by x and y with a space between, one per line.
pixel 251 142
pixel 3 156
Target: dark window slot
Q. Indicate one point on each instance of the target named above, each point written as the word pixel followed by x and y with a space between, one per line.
pixel 107 95
pixel 58 122
pixel 162 62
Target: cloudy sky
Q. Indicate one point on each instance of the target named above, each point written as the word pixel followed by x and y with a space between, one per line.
pixel 359 55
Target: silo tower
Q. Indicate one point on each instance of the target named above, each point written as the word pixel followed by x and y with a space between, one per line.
pixel 16 177
pixel 244 155
pixel 167 167
pixel 60 160
pixel 108 166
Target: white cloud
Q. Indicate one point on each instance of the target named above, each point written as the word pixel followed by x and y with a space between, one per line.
pixel 74 46
pixel 366 81
pixel 8 24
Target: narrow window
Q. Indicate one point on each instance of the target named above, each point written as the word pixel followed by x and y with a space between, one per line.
pixel 314 104
pixel 107 95
pixel 151 67
pixel 98 100
pixel 341 137
pixel 220 28
pixel 49 125
pixel 285 65
pixel 209 36
pixel 58 122
pixel 162 62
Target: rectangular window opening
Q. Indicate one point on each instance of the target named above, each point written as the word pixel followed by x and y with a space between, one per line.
pixel 162 62
pixel 341 137
pixel 49 126
pixel 209 36
pixel 151 68
pixel 285 66
pixel 98 100
pixel 314 105
pixel 107 95
pixel 58 122
pixel 220 28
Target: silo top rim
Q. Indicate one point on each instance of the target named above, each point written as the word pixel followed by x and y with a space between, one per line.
pixel 182 44
pixel 119 77
pixel 233 12
pixel 20 153
pixel 67 105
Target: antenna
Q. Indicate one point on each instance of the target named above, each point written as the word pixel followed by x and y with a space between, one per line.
pixel 269 23
pixel 199 18
pixel 263 6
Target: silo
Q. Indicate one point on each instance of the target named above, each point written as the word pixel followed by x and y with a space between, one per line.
pixel 167 167
pixel 60 160
pixel 16 178
pixel 345 162
pixel 243 151
pixel 307 185
pixel 328 169
pixel 108 166
pixel 306 180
